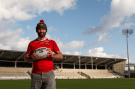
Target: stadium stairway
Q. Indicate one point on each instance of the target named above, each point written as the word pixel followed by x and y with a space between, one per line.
pixel 83 74
pixel 29 73
pixel 101 74
pixel 68 74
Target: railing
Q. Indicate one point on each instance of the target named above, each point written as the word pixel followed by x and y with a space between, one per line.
pixel 83 74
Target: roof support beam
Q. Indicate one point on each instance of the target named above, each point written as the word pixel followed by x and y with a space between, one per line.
pixel 81 60
pixel 1 54
pixel 64 63
pixel 20 56
pixel 3 60
pixel 10 61
pixel 94 59
pixel 85 64
pixel 113 61
pixel 102 61
pixel 67 59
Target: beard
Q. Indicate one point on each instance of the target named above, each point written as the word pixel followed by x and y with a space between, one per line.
pixel 42 34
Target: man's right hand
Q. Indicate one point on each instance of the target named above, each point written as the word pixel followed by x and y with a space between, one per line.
pixel 34 57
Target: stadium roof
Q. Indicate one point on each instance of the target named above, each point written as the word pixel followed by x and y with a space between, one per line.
pixel 18 56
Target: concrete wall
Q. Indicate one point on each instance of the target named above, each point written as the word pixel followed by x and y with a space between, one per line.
pixel 119 67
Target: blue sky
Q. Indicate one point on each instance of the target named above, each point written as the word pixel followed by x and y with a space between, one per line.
pixel 93 26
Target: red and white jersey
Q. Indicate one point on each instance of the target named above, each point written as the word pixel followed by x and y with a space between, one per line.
pixel 46 64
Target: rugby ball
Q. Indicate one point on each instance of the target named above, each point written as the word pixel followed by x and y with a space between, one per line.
pixel 41 52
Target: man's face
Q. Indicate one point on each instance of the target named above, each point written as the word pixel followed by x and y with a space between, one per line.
pixel 41 32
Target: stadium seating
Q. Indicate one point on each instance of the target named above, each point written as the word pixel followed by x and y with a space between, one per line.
pixel 24 73
pixel 101 73
pixel 13 73
pixel 85 73
pixel 68 74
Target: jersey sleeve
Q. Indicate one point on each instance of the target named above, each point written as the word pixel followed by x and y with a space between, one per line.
pixel 29 50
pixel 55 48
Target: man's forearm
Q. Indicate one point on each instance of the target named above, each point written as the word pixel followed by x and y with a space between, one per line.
pixel 28 59
pixel 58 56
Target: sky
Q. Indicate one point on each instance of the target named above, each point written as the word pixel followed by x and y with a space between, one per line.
pixel 79 27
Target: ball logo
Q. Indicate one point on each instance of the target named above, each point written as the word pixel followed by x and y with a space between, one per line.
pixel 41 52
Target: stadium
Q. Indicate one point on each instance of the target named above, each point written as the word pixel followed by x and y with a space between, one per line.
pixel 13 66
pixel 69 70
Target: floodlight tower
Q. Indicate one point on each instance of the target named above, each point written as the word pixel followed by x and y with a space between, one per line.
pixel 126 32
pixel 91 62
pixel 79 61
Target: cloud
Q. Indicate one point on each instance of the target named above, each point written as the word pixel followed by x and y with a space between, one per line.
pixel 22 44
pixel 51 29
pixel 26 10
pixel 98 52
pixel 9 36
pixel 131 68
pixel 102 38
pixel 5 47
pixel 28 27
pixel 126 25
pixel 120 10
pixel 11 40
pixel 66 35
pixel 12 11
pixel 70 46
pixel 48 36
pixel 130 61
pixel 72 53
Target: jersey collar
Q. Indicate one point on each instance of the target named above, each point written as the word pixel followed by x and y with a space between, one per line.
pixel 43 39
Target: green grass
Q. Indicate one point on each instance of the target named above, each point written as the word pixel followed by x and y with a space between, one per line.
pixel 123 83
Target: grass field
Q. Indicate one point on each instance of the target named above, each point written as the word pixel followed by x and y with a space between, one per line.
pixel 123 83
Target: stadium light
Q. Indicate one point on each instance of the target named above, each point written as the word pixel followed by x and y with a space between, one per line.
pixel 91 62
pixel 79 62
pixel 126 32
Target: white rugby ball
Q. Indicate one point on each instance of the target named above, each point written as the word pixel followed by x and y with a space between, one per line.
pixel 41 52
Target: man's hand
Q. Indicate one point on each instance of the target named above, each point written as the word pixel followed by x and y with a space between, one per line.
pixel 34 57
pixel 28 58
pixel 50 53
pixel 57 56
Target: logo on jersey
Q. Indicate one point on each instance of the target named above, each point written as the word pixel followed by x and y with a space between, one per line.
pixel 47 44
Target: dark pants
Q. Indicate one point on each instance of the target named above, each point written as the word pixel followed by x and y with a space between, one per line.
pixel 43 80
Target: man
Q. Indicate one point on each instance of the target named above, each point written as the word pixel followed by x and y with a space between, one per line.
pixel 42 76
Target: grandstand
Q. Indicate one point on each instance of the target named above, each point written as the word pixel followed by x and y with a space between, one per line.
pixel 132 71
pixel 13 66
pixel 13 73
